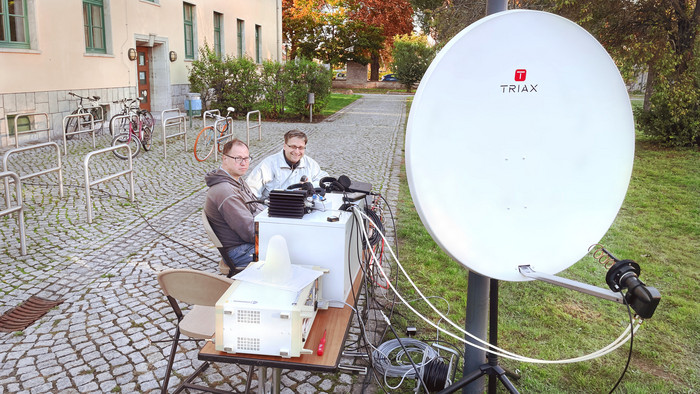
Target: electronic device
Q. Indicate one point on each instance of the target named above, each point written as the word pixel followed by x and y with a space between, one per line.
pixel 315 240
pixel 270 307
pixel 259 319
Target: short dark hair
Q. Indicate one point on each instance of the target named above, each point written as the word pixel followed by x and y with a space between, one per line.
pixel 229 145
pixel 295 134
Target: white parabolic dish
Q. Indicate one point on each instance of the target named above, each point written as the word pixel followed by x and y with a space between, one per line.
pixel 520 144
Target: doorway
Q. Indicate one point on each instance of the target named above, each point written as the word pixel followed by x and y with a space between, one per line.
pixel 144 76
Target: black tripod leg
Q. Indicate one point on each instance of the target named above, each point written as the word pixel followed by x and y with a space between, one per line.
pixel 501 373
pixel 463 382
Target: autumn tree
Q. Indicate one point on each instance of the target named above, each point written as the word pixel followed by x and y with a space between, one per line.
pixel 393 17
pixel 301 26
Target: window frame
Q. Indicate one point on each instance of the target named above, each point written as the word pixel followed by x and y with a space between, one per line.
pixel 90 26
pixel 258 44
pixel 218 42
pixel 4 5
pixel 240 37
pixel 189 23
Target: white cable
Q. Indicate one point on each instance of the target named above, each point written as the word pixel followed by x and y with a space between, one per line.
pixel 494 349
pixel 380 357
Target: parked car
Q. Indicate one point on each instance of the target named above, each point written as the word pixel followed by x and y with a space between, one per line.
pixel 389 77
pixel 340 76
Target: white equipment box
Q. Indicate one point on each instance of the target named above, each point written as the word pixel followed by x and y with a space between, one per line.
pixel 259 319
pixel 314 240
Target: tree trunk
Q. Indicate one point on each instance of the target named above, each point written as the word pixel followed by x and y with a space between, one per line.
pixel 649 88
pixel 374 68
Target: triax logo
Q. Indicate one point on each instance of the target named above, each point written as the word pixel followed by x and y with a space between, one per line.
pixel 520 76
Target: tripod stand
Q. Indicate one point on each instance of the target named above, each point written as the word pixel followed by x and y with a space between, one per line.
pixel 491 367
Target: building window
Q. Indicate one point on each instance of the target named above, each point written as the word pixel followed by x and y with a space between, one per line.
pixel 14 24
pixel 94 22
pixel 241 37
pixel 188 10
pixel 218 20
pixel 258 44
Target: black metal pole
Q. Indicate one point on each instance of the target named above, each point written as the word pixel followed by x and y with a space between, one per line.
pixel 478 289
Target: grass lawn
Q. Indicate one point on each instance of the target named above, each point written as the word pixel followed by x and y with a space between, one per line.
pixel 337 102
pixel 658 227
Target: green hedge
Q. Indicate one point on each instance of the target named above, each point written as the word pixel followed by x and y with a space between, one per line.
pixel 276 89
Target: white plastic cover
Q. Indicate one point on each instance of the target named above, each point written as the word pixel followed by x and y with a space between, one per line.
pixel 520 144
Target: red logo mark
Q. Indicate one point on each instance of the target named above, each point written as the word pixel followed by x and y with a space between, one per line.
pixel 520 75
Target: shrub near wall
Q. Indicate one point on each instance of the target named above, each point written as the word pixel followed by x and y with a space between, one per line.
pixel 307 77
pixel 243 88
pixel 275 86
pixel 275 89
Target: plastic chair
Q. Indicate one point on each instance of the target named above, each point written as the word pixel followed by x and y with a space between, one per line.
pixel 232 269
pixel 201 290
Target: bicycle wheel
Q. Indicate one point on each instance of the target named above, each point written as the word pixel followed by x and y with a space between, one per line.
pixel 126 138
pixel 147 141
pixel 98 116
pixel 72 125
pixel 222 132
pixel 119 126
pixel 204 144
pixel 147 119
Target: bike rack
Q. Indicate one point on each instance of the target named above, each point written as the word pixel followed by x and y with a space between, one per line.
pixel 217 140
pixel 19 208
pixel 47 129
pixel 58 168
pixel 92 128
pixel 209 114
pixel 259 126
pixel 89 184
pixel 179 120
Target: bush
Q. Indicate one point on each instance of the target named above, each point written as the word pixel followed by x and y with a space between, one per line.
pixel 412 56
pixel 243 88
pixel 274 88
pixel 307 77
pixel 674 116
pixel 207 76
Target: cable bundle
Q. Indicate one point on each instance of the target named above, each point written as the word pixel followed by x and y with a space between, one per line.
pixel 433 371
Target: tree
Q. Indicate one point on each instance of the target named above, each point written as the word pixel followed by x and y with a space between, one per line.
pixel 393 17
pixel 661 38
pixel 301 26
pixel 412 56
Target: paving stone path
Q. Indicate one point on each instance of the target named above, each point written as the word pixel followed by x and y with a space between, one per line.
pixel 105 336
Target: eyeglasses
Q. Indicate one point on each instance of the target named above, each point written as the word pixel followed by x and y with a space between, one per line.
pixel 239 159
pixel 294 147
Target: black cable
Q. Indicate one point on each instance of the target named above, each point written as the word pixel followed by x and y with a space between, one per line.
pixel 629 355
pixel 408 355
pixel 435 374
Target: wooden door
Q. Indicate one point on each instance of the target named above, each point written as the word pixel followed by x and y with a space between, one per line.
pixel 144 76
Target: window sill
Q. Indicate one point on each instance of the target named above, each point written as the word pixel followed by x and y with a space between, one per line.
pixel 91 54
pixel 20 50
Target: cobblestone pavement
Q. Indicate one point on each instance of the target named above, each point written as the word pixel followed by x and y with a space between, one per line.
pixel 104 336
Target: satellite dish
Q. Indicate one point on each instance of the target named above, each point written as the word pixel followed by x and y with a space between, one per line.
pixel 520 144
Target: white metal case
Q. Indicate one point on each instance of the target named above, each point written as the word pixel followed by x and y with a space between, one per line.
pixel 313 240
pixel 259 319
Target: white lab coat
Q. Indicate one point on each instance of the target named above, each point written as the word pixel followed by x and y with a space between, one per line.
pixel 273 173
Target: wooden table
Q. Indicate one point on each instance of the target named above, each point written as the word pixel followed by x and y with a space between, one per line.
pixel 334 321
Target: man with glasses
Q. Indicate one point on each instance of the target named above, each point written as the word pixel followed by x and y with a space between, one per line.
pixel 285 168
pixel 229 206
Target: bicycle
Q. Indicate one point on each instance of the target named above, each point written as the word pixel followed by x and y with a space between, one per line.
pixel 129 106
pixel 207 137
pixel 139 135
pixel 83 122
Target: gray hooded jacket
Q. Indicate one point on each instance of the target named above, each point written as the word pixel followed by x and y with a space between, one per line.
pixel 230 217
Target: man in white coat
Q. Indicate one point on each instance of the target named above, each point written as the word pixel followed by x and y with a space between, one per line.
pixel 285 168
